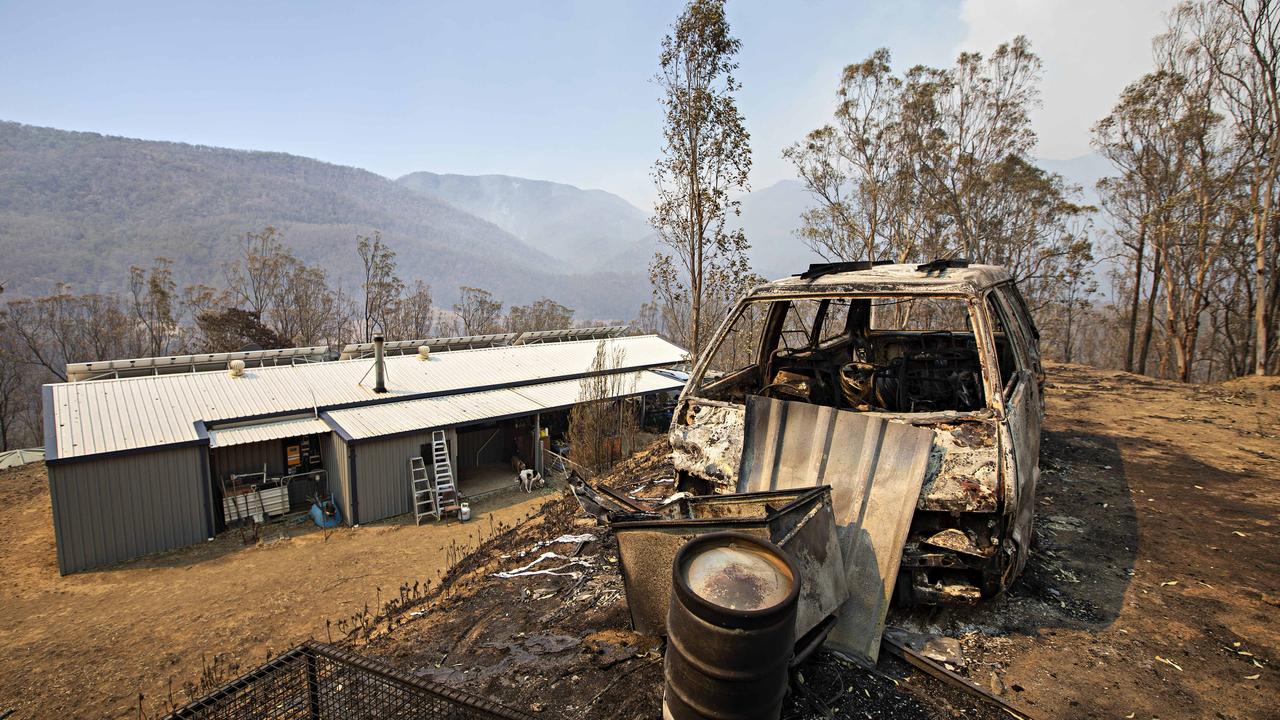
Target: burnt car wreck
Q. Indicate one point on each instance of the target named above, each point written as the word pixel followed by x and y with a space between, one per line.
pixel 930 372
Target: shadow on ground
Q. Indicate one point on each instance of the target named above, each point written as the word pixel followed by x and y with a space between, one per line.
pixel 1082 559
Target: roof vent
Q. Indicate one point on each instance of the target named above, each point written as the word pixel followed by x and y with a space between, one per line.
pixel 424 352
pixel 235 368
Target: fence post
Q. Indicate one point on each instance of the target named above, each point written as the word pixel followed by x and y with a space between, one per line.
pixel 313 684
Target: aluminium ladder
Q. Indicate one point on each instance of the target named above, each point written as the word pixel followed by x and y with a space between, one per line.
pixel 446 493
pixel 424 495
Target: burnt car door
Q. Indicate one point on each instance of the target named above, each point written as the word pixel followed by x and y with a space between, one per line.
pixel 1022 418
pixel 1016 306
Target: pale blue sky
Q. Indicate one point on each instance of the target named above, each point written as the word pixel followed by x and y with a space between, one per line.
pixel 544 89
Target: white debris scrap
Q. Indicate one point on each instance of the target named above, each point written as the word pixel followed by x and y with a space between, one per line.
pixel 676 498
pixel 584 538
pixel 562 570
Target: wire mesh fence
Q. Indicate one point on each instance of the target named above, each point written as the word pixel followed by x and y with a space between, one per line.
pixel 316 682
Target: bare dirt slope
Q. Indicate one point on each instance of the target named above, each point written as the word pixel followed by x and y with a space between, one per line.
pixel 1155 584
pixel 1152 592
pixel 86 645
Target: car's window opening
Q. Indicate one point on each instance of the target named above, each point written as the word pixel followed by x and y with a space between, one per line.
pixel 798 325
pixel 925 314
pixel 884 354
pixel 1010 345
pixel 1011 316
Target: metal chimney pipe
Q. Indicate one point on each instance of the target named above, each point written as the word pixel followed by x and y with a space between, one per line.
pixel 379 371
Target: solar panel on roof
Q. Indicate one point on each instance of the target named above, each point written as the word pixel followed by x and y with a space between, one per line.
pixel 570 334
pixel 355 351
pixel 138 367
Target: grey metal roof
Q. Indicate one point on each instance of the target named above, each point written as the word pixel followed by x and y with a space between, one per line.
pixel 413 415
pixel 904 278
pixel 102 416
pixel 269 430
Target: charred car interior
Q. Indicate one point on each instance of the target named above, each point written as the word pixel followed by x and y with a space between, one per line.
pixel 829 351
pixel 952 350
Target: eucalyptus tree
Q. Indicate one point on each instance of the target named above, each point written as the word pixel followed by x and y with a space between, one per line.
pixel 1240 39
pixel 705 159
pixel 1140 138
pixel 937 162
pixel 541 314
pixel 381 285
pixel 477 312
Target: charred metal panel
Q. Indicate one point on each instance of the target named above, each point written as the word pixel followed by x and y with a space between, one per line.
pixel 708 443
pixel 1022 437
pixel 876 469
pixel 801 522
pixel 963 473
pixel 959 541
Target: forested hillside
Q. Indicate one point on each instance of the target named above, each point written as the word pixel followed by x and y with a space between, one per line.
pixel 586 229
pixel 82 208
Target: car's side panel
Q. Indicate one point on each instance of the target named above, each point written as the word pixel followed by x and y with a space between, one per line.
pixel 1024 413
pixel 1022 433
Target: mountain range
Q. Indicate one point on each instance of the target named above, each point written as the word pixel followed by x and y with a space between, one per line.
pixel 586 230
pixel 81 208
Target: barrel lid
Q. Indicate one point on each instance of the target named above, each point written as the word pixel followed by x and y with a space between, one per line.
pixel 738 576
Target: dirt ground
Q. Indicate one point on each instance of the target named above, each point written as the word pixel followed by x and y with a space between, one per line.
pixel 560 644
pixel 86 645
pixel 1152 591
pixel 1154 588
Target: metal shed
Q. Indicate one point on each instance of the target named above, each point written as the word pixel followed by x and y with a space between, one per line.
pixel 136 463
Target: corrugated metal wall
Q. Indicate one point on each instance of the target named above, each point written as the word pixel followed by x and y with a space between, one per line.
pixel 382 473
pixel 114 509
pixel 247 458
pixel 382 476
pixel 339 474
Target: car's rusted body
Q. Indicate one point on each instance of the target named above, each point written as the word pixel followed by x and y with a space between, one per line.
pixel 815 338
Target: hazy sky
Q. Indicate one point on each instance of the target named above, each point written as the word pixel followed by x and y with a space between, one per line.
pixel 537 88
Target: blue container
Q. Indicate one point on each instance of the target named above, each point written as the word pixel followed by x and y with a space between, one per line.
pixel 325 514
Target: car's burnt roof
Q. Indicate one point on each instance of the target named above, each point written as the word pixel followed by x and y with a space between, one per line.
pixel 895 279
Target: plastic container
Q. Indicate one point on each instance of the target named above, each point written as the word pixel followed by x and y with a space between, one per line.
pixel 326 514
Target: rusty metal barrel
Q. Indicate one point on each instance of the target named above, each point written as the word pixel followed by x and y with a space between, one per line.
pixel 730 628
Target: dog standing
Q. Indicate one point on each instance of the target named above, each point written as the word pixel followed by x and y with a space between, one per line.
pixel 530 480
